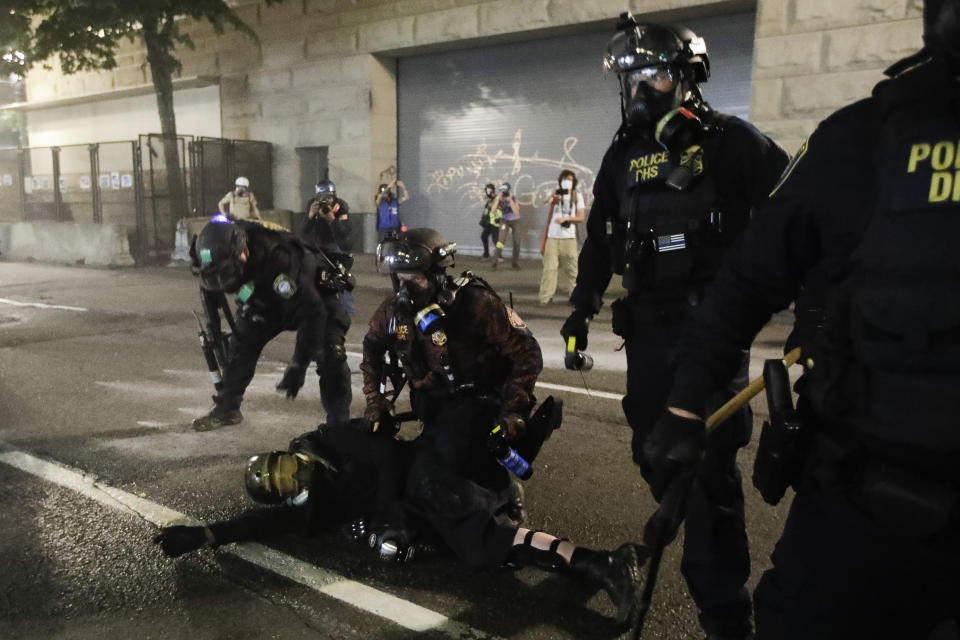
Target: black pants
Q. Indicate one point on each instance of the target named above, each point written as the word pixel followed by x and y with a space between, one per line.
pixel 455 485
pixel 716 558
pixel 488 234
pixel 255 331
pixel 837 575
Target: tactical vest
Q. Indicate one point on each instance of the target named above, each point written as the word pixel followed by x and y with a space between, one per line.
pixel 898 312
pixel 673 240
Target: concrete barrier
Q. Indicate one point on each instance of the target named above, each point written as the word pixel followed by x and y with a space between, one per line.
pixel 66 242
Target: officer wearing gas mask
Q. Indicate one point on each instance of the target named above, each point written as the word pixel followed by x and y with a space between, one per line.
pixel 281 285
pixel 869 549
pixel 675 189
pixel 471 364
pixel 334 476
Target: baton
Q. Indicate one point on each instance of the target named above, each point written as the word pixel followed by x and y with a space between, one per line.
pixel 663 528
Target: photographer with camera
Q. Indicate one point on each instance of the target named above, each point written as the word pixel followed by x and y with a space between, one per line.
pixel 388 199
pixel 559 243
pixel 509 224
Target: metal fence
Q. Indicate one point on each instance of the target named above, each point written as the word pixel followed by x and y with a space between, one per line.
pixel 125 183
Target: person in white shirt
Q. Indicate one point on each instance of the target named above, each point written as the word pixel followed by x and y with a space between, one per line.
pixel 559 243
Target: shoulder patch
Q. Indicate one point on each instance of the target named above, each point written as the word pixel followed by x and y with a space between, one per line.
pixel 245 291
pixel 284 286
pixel 692 159
pixel 515 320
pixel 439 338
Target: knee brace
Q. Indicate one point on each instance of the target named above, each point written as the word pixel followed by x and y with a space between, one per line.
pixel 525 555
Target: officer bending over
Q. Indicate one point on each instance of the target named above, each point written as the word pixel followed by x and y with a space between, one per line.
pixel 675 189
pixel 471 364
pixel 870 213
pixel 281 285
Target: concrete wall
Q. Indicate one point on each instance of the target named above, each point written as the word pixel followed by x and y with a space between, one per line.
pixel 87 243
pixel 324 71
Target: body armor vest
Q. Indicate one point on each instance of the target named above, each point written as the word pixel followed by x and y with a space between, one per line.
pixel 674 239
pixel 898 312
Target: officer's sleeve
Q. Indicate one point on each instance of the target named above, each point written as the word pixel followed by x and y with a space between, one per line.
pixel 309 307
pixel 752 161
pixel 502 329
pixel 343 234
pixel 594 264
pixel 765 268
pixel 375 345
pixel 224 201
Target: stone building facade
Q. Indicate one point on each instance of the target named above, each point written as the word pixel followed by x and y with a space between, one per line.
pixel 324 71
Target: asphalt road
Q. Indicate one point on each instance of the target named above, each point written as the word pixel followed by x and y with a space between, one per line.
pixel 100 377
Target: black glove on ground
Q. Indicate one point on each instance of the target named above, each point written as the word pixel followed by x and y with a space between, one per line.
pixel 178 540
pixel 675 444
pixel 293 379
pixel 576 325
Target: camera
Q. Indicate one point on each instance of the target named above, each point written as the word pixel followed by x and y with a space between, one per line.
pixel 562 192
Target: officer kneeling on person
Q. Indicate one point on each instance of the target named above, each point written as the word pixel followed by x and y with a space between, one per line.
pixel 281 285
pixel 864 227
pixel 675 189
pixel 471 364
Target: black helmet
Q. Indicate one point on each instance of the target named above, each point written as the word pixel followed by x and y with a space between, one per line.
pixel 504 187
pixel 416 250
pixel 652 62
pixel 219 249
pixel 278 476
pixel 941 27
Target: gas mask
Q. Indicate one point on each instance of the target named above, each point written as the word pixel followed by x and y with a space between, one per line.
pixel 651 92
pixel 219 250
pixel 676 132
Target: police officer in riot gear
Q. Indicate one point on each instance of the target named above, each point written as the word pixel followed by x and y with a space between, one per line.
pixel 675 189
pixel 280 284
pixel 471 364
pixel 862 227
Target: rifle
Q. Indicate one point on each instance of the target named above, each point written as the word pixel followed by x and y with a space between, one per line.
pixel 214 343
pixel 663 525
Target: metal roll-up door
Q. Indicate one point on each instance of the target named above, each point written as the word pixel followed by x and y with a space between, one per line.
pixel 520 113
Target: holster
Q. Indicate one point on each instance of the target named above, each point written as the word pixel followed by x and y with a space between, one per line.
pixel 782 449
pixel 621 318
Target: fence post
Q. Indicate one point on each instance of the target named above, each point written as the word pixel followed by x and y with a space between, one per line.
pixel 95 182
pixel 139 202
pixel 22 169
pixel 57 196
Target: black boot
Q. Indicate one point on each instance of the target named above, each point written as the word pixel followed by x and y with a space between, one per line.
pixel 617 572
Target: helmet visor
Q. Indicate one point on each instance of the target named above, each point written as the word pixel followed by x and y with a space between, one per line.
pixel 662 78
pixel 394 256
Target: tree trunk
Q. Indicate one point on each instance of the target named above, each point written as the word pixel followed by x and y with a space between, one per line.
pixel 162 65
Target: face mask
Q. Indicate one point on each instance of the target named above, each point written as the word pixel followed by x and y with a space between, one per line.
pixel 567 184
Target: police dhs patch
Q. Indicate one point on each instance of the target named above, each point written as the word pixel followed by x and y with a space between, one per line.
pixel 515 320
pixel 402 331
pixel 439 338
pixel 692 159
pixel 284 286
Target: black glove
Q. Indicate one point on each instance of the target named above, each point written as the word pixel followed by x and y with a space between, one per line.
pixel 576 326
pixel 178 540
pixel 293 379
pixel 675 444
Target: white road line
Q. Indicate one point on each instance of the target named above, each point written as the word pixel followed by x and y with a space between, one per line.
pixel 40 305
pixel 556 387
pixel 406 614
